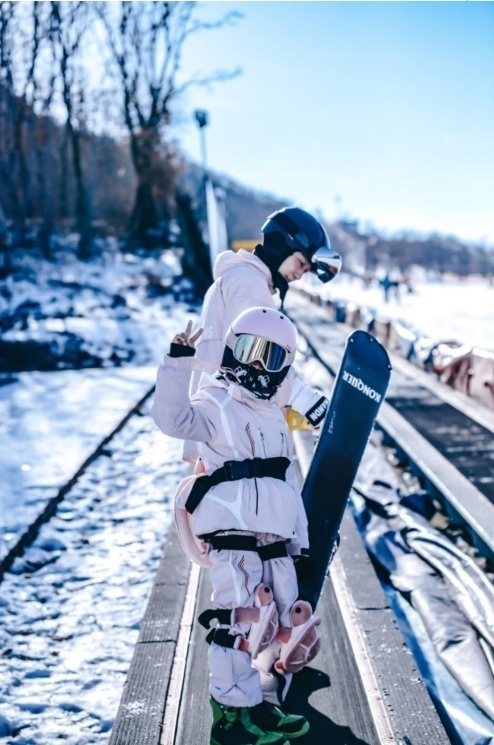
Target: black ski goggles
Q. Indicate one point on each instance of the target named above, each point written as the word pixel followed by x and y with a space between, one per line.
pixel 249 348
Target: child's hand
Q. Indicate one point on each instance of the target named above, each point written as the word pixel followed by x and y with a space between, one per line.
pixel 185 339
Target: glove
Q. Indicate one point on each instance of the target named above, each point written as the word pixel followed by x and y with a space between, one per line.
pixel 316 414
pixel 304 566
pixel 178 350
pixel 308 402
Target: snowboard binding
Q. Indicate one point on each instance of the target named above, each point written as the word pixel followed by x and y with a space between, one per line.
pixel 263 620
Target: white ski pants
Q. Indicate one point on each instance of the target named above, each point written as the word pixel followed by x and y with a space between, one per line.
pixel 235 679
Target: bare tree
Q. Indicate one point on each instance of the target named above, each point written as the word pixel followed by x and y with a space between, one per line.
pixel 146 41
pixel 24 34
pixel 43 91
pixel 44 146
pixel 6 88
pixel 20 41
pixel 70 22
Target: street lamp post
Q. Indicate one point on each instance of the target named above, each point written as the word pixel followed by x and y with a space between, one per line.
pixel 202 119
pixel 216 224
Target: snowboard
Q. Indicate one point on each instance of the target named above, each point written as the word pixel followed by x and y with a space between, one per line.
pixel 357 395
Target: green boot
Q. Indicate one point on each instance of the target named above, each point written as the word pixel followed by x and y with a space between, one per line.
pixel 233 726
pixel 271 718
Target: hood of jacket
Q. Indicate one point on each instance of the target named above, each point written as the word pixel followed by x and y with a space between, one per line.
pixel 229 260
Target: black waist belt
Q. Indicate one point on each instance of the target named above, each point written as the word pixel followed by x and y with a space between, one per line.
pixel 248 543
pixel 272 551
pixel 234 470
pixel 233 542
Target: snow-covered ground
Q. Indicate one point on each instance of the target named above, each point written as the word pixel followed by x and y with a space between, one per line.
pixel 106 312
pixel 71 607
pixel 50 422
pixel 462 311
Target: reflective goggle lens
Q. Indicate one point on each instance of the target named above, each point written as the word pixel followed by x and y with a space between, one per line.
pixel 326 264
pixel 250 349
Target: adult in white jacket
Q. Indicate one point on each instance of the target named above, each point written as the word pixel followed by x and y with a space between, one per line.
pixel 294 243
pixel 248 510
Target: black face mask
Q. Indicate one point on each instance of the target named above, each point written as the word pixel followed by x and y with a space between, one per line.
pixel 274 258
pixel 261 383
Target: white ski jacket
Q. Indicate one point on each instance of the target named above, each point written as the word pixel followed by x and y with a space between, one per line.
pixel 242 281
pixel 228 423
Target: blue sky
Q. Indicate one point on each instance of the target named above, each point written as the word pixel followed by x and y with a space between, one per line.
pixel 387 105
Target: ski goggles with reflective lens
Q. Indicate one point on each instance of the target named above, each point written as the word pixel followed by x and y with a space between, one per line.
pixel 325 264
pixel 250 348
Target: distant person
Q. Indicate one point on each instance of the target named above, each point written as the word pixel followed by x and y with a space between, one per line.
pixel 385 283
pixel 294 243
pixel 389 284
pixel 246 515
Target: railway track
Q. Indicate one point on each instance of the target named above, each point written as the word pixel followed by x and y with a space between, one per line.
pixel 72 603
pixel 29 534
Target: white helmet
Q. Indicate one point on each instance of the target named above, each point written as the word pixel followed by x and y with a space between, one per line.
pixel 264 336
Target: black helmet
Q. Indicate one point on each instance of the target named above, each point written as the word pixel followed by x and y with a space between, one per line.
pixel 293 229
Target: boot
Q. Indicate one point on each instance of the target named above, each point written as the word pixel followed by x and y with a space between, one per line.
pixel 233 726
pixel 271 718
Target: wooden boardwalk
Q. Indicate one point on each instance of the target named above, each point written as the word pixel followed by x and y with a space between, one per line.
pixel 362 689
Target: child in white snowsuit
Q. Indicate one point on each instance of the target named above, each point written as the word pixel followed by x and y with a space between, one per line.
pixel 247 517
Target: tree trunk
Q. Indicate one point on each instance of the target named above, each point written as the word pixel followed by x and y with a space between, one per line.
pixel 196 264
pixel 144 149
pixel 82 204
pixel 63 201
pixel 18 175
pixel 43 160
pixel 144 216
pixel 5 264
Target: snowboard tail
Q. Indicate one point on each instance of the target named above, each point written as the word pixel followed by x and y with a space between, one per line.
pixel 357 395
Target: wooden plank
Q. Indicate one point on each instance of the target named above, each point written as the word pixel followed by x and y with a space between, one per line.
pixel 402 690
pixel 329 692
pixel 195 718
pixel 469 406
pixel 380 658
pixel 465 443
pixel 367 593
pixel 338 706
pixel 140 714
pixel 162 617
pixel 175 558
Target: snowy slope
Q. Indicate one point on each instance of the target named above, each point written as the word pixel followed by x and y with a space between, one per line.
pixel 449 310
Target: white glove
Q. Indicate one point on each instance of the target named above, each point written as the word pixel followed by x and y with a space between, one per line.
pixel 308 402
